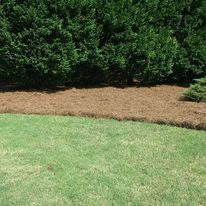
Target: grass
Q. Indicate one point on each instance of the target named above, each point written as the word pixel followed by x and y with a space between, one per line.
pixel 51 160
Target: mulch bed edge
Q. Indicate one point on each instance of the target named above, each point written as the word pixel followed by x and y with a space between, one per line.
pixel 185 124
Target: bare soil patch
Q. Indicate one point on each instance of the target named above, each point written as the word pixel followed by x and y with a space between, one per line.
pixel 159 104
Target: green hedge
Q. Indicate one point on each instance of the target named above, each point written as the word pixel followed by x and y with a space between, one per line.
pixel 48 42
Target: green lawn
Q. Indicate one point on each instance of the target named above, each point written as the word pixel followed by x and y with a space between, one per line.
pixel 51 160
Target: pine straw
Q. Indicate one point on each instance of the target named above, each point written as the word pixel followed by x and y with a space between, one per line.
pixel 159 104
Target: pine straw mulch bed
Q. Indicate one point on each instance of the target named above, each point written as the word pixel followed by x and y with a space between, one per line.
pixel 159 104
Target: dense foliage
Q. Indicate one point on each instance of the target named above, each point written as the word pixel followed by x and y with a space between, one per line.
pixel 94 41
pixel 197 91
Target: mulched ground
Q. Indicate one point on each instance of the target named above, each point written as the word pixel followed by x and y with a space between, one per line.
pixel 159 104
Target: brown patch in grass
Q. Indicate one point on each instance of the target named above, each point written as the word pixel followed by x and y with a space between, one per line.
pixel 159 104
pixel 50 168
